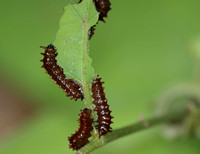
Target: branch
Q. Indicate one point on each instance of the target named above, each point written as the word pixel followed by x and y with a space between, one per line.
pixel 139 126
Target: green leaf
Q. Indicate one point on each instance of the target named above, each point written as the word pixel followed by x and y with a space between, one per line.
pixel 72 40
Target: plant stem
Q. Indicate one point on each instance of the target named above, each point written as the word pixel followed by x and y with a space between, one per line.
pixel 139 126
pixel 87 95
pixel 86 83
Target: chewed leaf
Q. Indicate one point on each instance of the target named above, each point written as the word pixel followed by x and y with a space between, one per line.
pixel 72 40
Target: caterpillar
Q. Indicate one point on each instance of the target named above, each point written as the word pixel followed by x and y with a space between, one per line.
pixel 80 138
pixel 103 7
pixel 102 108
pixel 56 73
pixel 91 31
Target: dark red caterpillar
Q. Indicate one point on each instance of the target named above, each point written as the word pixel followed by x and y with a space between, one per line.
pixel 103 7
pixel 91 31
pixel 72 88
pixel 80 138
pixel 102 108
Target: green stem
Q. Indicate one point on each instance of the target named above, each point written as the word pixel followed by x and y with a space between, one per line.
pixel 87 96
pixel 139 126
pixel 86 83
pixel 89 104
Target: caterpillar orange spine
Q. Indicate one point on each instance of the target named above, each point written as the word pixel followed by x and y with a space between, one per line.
pixel 72 88
pixel 80 138
pixel 102 108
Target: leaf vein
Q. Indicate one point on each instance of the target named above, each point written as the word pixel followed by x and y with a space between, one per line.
pixel 76 11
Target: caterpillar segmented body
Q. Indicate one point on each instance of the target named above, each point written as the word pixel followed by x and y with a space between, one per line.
pixel 56 73
pixel 80 138
pixel 91 31
pixel 103 7
pixel 102 108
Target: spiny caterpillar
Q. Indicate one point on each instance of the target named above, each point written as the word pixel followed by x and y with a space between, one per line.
pixel 103 7
pixel 56 73
pixel 102 108
pixel 80 138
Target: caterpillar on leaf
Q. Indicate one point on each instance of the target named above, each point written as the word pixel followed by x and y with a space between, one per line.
pixel 103 7
pixel 56 73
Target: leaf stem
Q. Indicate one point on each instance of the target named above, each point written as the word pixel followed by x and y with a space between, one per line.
pixel 139 126
pixel 86 83
pixel 87 95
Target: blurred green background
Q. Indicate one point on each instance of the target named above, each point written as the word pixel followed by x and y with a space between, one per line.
pixel 142 48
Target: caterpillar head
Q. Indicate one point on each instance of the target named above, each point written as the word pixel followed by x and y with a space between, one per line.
pixel 50 48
